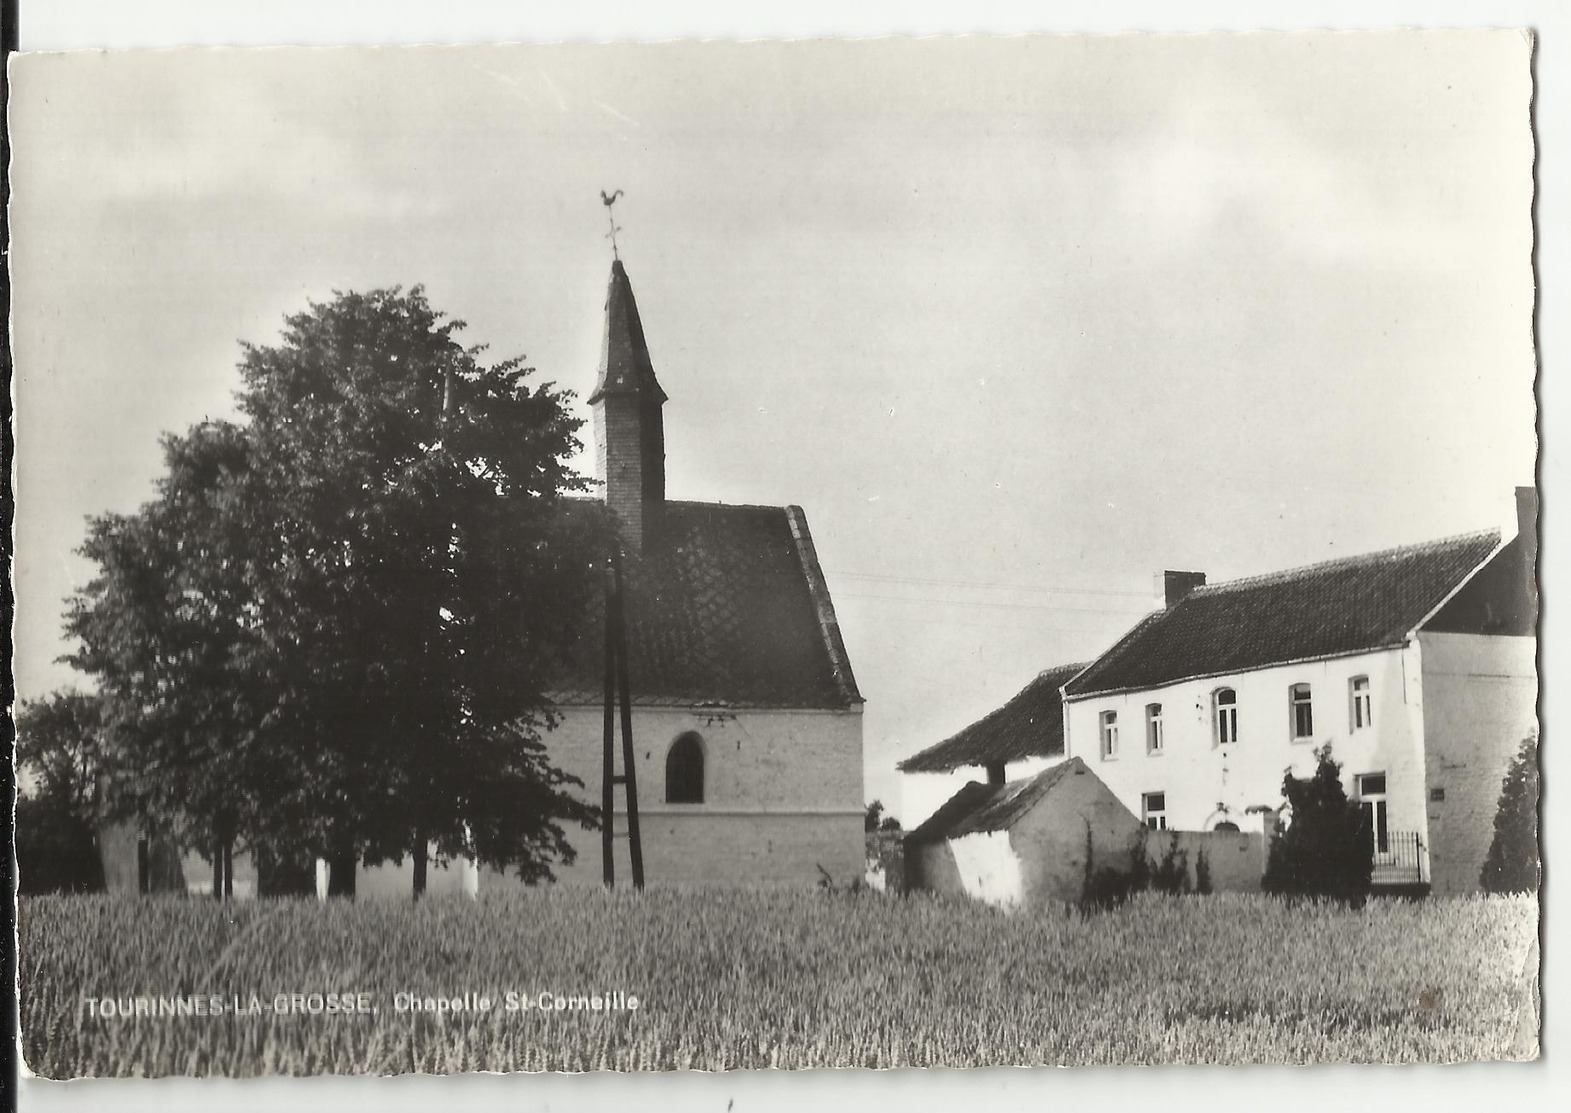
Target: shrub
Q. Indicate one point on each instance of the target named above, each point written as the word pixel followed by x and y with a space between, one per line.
pixel 1171 874
pixel 1105 887
pixel 56 850
pixel 1512 864
pixel 1326 850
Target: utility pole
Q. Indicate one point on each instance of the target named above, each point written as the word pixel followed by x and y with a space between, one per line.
pixel 618 697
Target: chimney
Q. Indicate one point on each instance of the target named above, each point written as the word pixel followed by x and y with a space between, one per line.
pixel 1527 543
pixel 1176 586
pixel 629 428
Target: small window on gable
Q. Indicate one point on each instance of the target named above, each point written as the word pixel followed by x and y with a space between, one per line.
pixel 1153 807
pixel 1302 710
pixel 1224 707
pixel 1109 724
pixel 1154 737
pixel 1363 708
pixel 684 770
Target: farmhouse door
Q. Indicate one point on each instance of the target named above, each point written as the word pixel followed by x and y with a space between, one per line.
pixel 1372 799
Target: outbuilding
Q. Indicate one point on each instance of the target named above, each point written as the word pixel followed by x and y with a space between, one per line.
pixel 1025 843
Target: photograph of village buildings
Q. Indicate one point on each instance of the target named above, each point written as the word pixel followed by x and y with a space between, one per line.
pixel 709 555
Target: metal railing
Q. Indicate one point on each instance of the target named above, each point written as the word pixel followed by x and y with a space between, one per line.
pixel 1400 859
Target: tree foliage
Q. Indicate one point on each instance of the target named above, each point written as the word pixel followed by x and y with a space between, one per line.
pixel 58 743
pixel 875 818
pixel 1327 849
pixel 330 632
pixel 1512 864
pixel 59 739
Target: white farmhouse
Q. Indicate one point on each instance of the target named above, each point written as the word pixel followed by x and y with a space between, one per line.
pixel 1417 665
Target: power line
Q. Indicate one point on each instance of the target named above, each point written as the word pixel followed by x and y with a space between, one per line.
pixel 994 585
pixel 951 623
pixel 980 603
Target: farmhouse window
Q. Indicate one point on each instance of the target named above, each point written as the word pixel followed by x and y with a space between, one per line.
pixel 1224 704
pixel 1153 728
pixel 1109 734
pixel 1363 714
pixel 684 770
pixel 1303 711
pixel 1371 789
pixel 1153 807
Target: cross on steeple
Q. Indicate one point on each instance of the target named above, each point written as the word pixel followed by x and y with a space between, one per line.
pixel 611 219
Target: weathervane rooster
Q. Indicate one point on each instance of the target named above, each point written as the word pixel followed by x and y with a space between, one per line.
pixel 611 218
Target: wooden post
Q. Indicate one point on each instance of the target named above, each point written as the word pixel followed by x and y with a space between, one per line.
pixel 629 765
pixel 608 780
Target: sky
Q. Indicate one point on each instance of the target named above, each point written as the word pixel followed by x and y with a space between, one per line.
pixel 1020 322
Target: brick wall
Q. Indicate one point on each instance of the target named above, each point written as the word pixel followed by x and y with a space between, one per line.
pixel 726 850
pixel 630 460
pixel 782 796
pixel 1479 703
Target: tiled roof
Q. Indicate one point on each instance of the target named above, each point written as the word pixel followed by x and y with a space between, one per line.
pixel 979 808
pixel 1031 724
pixel 725 605
pixel 1324 610
pixel 1501 600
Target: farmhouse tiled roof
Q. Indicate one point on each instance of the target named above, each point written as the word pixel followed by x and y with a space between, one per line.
pixel 1031 724
pixel 979 808
pixel 726 605
pixel 1325 610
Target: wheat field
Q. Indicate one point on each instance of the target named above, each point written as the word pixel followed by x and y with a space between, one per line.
pixel 726 980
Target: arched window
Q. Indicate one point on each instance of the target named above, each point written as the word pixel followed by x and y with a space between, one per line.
pixel 684 770
pixel 1224 706
pixel 1109 730
pixel 1363 709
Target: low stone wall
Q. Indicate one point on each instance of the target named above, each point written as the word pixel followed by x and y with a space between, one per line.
pixel 1235 860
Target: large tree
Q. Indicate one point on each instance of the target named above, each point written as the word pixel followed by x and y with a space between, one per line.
pixel 332 631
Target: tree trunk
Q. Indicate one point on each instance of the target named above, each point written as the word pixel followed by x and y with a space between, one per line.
pixel 420 864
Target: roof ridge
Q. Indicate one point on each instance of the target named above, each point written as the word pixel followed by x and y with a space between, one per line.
pixel 1287 574
pixel 1071 669
pixel 726 505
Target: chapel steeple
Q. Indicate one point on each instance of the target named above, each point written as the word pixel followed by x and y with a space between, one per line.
pixel 629 428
